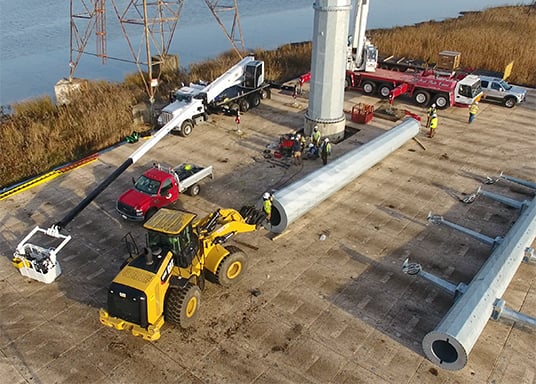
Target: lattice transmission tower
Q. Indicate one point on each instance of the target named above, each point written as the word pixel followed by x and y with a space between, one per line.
pixel 148 27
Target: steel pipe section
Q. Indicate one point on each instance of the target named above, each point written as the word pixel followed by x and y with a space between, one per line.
pixel 451 342
pixel 298 198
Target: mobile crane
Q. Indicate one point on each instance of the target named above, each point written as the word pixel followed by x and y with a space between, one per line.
pixel 164 281
pixel 423 86
pixel 388 77
pixel 39 262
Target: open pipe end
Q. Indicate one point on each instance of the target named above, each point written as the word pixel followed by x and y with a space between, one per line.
pixel 279 221
pixel 444 350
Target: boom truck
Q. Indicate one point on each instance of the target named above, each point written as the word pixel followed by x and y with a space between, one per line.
pixel 40 262
pixel 164 281
pixel 239 89
pixel 390 77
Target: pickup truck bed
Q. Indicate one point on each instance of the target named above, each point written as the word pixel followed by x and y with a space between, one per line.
pixel 192 175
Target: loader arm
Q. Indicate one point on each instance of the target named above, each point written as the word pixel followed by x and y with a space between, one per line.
pixel 222 224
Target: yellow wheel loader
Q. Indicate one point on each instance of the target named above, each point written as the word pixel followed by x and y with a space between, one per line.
pixel 164 281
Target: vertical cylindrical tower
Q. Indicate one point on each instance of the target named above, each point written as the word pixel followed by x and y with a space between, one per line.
pixel 328 66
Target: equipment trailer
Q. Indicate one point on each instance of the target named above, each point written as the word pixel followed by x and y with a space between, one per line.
pixel 423 87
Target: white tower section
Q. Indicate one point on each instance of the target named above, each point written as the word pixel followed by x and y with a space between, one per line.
pixel 328 65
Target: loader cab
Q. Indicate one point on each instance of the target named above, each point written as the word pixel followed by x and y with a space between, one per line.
pixel 254 75
pixel 172 231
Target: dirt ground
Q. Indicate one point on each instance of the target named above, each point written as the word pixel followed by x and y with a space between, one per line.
pixel 311 308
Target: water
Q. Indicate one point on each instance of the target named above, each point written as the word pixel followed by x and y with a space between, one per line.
pixel 34 44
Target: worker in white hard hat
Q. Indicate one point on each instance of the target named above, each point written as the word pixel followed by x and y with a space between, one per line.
pixel 431 111
pixel 297 151
pixel 433 125
pixel 325 150
pixel 267 205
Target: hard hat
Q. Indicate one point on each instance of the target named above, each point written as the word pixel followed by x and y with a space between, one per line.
pixel 298 136
pixel 311 145
pixel 188 167
pixel 433 105
pixel 326 140
pixel 434 115
pixel 292 138
pixel 266 195
pixel 316 128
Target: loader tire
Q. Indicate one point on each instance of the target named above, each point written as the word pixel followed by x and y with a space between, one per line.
pixel 181 306
pixel 232 267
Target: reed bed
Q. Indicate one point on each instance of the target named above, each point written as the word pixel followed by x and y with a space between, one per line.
pixel 40 135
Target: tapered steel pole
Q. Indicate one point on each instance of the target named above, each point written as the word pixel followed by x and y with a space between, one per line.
pixel 298 198
pixel 453 339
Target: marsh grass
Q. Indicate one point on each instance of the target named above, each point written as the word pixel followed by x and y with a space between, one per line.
pixel 39 135
pixel 489 39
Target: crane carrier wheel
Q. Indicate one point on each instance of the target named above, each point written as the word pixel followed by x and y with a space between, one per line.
pixel 232 267
pixel 255 100
pixel 181 306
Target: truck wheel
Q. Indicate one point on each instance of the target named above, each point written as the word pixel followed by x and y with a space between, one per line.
pixel 384 90
pixel 186 129
pixel 234 107
pixel 244 105
pixel 254 100
pixel 421 97
pixel 232 267
pixel 194 190
pixel 441 101
pixel 510 102
pixel 181 305
pixel 369 87
pixel 265 93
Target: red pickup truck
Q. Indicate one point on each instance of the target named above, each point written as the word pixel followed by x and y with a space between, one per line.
pixel 158 187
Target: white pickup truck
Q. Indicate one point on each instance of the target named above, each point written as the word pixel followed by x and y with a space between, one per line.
pixel 498 90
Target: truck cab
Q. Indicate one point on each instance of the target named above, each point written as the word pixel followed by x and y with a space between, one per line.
pixel 497 90
pixel 468 90
pixel 186 108
pixel 153 190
